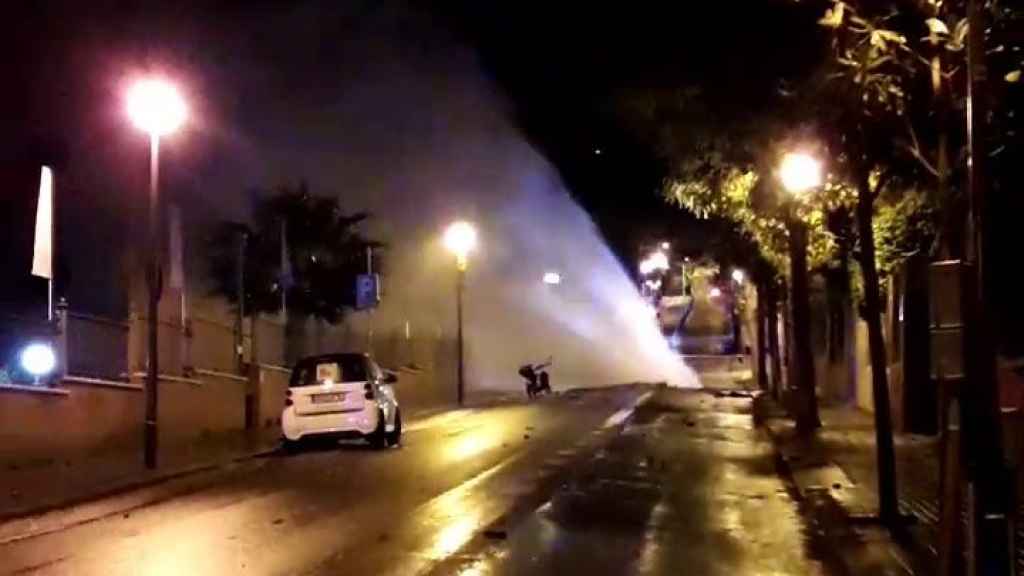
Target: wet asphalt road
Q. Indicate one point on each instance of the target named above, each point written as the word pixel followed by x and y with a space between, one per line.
pixel 578 483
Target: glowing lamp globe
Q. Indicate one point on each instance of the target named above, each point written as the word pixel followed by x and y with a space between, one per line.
pixel 460 239
pixel 800 172
pixel 156 107
pixel 552 278
pixel 38 359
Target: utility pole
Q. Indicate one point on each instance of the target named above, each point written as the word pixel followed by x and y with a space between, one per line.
pixel 369 311
pixel 243 240
pixel 460 239
pixel 460 283
pixel 157 109
pixel 153 281
pixel 988 488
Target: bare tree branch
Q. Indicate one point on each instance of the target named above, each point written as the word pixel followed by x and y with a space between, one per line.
pixel 883 180
pixel 915 150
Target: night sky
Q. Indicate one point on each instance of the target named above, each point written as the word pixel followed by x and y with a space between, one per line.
pixel 328 92
pixel 568 67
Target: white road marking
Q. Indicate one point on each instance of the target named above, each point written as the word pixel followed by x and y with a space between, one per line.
pixel 621 416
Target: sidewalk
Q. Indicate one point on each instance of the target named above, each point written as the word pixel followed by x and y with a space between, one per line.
pixel 50 495
pixel 837 465
pixel 33 495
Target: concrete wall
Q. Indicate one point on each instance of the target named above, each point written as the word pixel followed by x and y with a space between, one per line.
pixel 272 383
pixel 203 391
pixel 189 411
pixel 37 427
pixel 89 419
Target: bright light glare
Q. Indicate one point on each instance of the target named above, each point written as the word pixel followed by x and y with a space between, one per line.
pixel 552 278
pixel 715 292
pixel 800 172
pixel 656 261
pixel 156 107
pixel 38 359
pixel 665 245
pixel 460 238
pixel 738 276
pixel 637 311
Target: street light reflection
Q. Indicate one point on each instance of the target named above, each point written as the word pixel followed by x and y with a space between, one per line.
pixel 453 536
pixel 470 444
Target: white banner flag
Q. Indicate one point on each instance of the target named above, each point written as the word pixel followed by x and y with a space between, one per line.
pixel 42 254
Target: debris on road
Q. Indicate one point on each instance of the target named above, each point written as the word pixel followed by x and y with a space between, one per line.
pixel 495 534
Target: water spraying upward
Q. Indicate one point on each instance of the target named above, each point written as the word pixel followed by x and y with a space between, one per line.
pixel 422 139
pixel 593 320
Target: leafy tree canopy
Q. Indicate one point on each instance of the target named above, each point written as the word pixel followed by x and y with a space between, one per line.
pixel 325 252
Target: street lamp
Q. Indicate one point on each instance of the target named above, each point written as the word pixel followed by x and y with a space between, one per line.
pixel 738 276
pixel 38 360
pixel 800 173
pixel 656 261
pixel 460 239
pixel 156 108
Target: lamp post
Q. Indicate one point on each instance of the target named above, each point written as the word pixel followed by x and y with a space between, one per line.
pixel 988 489
pixel 801 173
pixel 155 107
pixel 460 239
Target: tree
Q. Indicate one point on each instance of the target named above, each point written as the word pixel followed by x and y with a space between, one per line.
pixel 325 251
pixel 722 168
pixel 896 73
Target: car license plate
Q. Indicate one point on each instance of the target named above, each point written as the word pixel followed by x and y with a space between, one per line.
pixel 327 398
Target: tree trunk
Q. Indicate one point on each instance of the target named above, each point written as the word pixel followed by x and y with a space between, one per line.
pixel 887 504
pixel 773 341
pixel 761 341
pixel 807 419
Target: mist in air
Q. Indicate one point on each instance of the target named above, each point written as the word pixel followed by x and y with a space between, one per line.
pixel 593 324
pixel 420 137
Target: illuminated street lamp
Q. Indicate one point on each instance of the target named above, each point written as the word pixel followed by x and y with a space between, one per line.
pixel 460 239
pixel 38 359
pixel 657 261
pixel 801 173
pixel 156 108
pixel 738 276
pixel 552 278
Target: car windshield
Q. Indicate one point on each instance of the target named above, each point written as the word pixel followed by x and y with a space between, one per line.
pixel 342 368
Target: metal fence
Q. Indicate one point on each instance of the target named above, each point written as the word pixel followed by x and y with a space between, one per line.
pixel 97 346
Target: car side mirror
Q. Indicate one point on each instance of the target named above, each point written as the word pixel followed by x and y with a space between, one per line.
pixel 390 377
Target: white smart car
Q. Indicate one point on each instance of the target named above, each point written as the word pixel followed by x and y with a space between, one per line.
pixel 341 396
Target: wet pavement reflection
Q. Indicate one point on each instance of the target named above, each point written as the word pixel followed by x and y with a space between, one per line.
pixel 582 483
pixel 687 486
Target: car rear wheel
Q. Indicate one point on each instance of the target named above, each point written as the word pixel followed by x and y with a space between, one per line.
pixel 379 438
pixel 395 436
